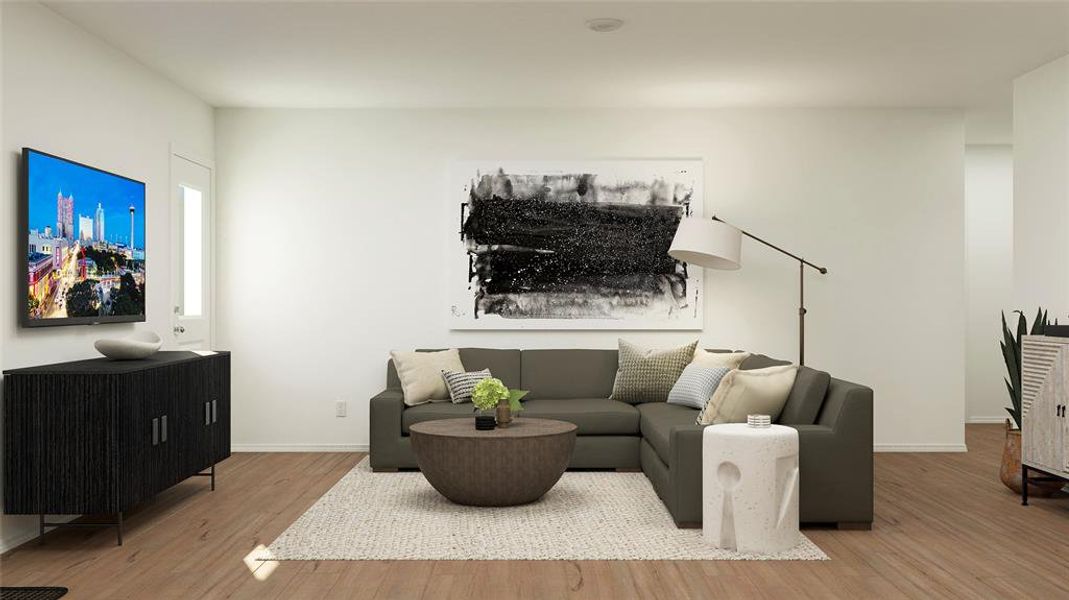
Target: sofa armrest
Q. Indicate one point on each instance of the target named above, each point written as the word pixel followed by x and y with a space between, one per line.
pixel 836 456
pixel 385 426
pixel 686 471
pixel 847 406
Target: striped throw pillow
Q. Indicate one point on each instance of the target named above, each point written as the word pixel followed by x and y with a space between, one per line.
pixel 461 384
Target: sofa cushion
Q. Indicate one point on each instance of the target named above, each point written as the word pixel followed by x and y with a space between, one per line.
pixel 656 421
pixel 759 361
pixel 567 373
pixel 593 416
pixel 806 398
pixel 434 411
pixel 504 364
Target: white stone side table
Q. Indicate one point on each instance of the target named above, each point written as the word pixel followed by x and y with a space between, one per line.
pixel 750 487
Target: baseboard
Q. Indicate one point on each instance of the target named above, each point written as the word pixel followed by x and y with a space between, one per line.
pixel 31 530
pixel 364 448
pixel 986 420
pixel 16 541
pixel 919 448
pixel 298 447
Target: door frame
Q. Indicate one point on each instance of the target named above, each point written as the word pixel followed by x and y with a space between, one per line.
pixel 178 151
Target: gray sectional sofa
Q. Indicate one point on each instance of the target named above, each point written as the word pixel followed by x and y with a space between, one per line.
pixel 833 419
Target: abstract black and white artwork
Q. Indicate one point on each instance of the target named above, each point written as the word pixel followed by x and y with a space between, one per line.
pixel 573 245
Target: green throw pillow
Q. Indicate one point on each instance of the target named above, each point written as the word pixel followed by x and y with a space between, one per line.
pixel 646 375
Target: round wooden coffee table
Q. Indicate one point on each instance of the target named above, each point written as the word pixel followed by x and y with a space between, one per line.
pixel 501 467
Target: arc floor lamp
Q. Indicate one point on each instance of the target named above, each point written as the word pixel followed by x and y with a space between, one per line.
pixel 717 244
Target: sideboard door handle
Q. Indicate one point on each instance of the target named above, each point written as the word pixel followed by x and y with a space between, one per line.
pixel 215 411
pixel 163 436
pixel 155 432
pixel 207 413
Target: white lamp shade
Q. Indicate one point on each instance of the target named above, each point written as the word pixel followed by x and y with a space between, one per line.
pixel 707 243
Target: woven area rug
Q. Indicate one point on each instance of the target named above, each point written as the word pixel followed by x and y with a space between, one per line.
pixel 586 516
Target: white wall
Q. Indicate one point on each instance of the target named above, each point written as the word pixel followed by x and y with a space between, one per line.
pixel 1041 188
pixel 988 276
pixel 332 225
pixel 68 93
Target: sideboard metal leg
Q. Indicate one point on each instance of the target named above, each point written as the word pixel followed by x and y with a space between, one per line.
pixel 213 477
pixel 41 529
pixel 118 527
pixel 1024 484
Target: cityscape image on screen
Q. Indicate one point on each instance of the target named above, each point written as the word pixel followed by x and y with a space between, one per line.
pixel 86 242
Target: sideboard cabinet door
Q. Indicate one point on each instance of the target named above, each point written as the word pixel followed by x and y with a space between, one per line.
pixel 141 459
pixel 58 434
pixel 1043 372
pixel 220 396
pixel 193 425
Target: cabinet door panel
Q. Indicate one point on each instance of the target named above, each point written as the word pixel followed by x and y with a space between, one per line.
pixel 142 457
pixel 220 381
pixel 1065 435
pixel 1043 373
pixel 191 437
pixel 78 468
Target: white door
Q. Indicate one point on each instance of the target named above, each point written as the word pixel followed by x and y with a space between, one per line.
pixel 191 247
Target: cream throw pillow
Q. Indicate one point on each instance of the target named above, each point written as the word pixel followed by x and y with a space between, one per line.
pixel 753 392
pixel 421 374
pixel 731 360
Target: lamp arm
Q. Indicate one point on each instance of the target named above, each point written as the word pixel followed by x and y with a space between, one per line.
pixel 753 237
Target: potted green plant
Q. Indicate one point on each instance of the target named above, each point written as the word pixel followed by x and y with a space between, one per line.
pixel 1010 471
pixel 490 394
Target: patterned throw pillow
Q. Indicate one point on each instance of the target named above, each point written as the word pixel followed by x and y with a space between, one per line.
pixel 696 385
pixel 461 384
pixel 646 375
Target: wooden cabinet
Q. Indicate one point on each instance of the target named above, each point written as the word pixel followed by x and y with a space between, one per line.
pixel 100 436
pixel 1044 404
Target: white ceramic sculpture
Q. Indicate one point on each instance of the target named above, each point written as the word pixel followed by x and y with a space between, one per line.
pixel 142 344
pixel 750 487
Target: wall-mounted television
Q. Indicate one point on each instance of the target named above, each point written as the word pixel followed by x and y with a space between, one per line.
pixel 82 233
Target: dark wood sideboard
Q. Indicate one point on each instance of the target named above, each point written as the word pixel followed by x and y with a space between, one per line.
pixel 99 436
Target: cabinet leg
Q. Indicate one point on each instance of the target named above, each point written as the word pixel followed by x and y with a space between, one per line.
pixel 1024 485
pixel 213 477
pixel 118 527
pixel 41 529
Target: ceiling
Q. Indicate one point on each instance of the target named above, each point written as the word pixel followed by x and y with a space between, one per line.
pixel 540 54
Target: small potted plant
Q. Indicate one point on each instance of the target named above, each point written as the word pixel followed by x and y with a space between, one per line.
pixel 490 394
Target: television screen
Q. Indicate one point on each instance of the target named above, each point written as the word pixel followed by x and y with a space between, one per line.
pixel 84 233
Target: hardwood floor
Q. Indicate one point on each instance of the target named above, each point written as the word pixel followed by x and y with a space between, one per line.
pixel 945 528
